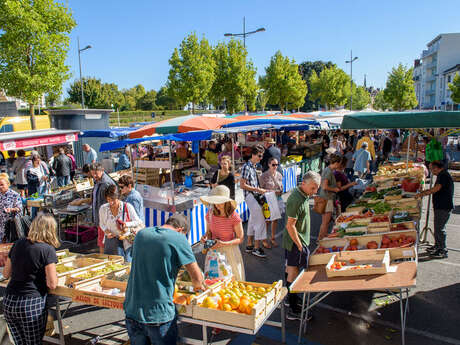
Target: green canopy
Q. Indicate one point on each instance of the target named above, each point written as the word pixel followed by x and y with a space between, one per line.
pixel 409 119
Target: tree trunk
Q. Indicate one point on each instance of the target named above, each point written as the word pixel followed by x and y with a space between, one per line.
pixel 32 116
pixel 193 108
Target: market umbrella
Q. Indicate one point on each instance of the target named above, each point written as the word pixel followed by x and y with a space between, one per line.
pixel 181 124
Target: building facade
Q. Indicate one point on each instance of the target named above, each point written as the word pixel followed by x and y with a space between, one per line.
pixel 430 80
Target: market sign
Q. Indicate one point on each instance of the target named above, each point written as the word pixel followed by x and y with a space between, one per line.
pixel 98 299
pixel 39 141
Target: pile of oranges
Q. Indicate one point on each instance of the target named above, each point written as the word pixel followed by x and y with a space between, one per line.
pixel 237 297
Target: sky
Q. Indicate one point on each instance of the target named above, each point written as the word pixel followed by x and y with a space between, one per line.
pixel 133 40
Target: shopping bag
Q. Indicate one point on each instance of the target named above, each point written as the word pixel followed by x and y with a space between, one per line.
pixel 274 212
pixel 319 205
pixel 216 265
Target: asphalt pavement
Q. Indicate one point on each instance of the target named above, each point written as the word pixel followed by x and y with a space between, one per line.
pixel 348 318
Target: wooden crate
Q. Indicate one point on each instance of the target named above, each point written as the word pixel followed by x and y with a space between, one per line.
pixel 323 258
pixel 75 279
pixel 358 209
pixel 379 261
pixel 392 198
pixel 380 227
pixel 99 292
pixel 106 257
pixel 409 226
pixel 248 321
pixel 65 256
pixel 78 265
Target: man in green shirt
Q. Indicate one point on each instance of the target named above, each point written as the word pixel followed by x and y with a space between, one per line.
pixel 296 236
pixel 158 253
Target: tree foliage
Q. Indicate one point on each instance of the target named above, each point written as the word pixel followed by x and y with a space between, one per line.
pixel 33 47
pixel 306 69
pixel 191 75
pixel 454 87
pixel 399 91
pixel 262 99
pixel 283 83
pixel 379 101
pixel 361 98
pixel 165 101
pixel 331 87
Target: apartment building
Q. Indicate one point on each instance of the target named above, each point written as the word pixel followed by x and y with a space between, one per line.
pixel 433 70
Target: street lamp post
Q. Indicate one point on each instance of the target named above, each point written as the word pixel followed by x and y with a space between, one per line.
pixel 81 80
pixel 351 77
pixel 244 33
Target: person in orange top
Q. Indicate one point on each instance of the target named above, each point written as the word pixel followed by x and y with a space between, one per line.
pixel 370 144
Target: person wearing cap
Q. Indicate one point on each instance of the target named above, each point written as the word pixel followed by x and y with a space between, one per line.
pixel 362 159
pixel 224 225
pixel 158 254
pixel 271 151
pixel 370 144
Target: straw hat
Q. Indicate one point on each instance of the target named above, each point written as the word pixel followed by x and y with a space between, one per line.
pixel 331 150
pixel 218 195
pixel 269 140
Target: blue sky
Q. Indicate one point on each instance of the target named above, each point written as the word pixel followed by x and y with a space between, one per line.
pixel 133 40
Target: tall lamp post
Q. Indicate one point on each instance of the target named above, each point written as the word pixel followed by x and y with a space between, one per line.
pixel 81 80
pixel 244 33
pixel 351 77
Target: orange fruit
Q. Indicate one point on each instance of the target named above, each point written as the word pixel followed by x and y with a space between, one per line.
pixel 227 307
pixel 181 300
pixel 234 302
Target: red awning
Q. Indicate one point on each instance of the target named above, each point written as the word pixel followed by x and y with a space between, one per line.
pixel 24 143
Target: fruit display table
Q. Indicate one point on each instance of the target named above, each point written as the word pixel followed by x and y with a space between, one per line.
pixel 315 280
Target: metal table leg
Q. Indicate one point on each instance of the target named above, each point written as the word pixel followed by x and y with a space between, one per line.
pixel 205 334
pixel 283 321
pixel 59 320
pixel 301 318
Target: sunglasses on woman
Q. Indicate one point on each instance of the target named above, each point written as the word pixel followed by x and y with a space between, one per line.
pixel 274 165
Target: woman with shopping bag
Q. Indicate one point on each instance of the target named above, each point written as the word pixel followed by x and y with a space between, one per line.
pixel 224 225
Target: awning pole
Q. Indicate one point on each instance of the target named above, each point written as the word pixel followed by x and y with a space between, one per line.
pixel 199 144
pixel 171 172
pixel 407 155
pixel 233 153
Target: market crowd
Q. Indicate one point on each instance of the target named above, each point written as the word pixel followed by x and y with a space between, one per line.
pixel 157 253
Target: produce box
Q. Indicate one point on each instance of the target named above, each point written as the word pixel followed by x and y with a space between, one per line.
pixel 100 292
pixel 389 198
pixel 76 279
pixel 402 226
pixel 77 265
pixel 326 249
pixel 106 257
pixel 348 264
pixel 65 256
pixel 249 316
pixel 357 209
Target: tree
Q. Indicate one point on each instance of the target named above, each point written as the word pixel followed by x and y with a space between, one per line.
pixel 262 99
pixel 33 47
pixel 250 86
pixel 306 69
pixel 331 87
pixel 379 101
pixel 191 75
pixel 361 98
pixel 51 99
pixel 97 94
pixel 399 91
pixel 147 102
pixel 454 87
pixel 283 83
pixel 164 100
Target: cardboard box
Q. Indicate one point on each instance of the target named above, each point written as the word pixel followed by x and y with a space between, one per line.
pixel 379 263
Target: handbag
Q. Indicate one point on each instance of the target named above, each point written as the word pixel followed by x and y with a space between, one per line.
pixel 320 205
pixel 129 235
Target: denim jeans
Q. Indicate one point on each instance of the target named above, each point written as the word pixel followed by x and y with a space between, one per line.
pixel 440 220
pixel 146 334
pixel 63 180
pixel 113 246
pixel 126 253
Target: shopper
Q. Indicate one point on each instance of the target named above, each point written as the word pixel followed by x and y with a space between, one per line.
pixel 211 156
pixel 224 225
pixel 123 160
pixel 19 166
pixel 224 176
pixel 336 144
pixel 158 253
pixel 272 180
pixel 116 219
pixel 62 166
pixel 131 195
pixel 329 192
pixel 9 162
pixel 362 159
pixel 69 153
pixel 370 144
pixel 228 150
pixel 101 182
pixel 31 267
pixel 89 155
pixel 10 201
pixel 344 184
pixel 443 195
pixel 296 235
pixel 271 151
pixel 37 175
pixel 249 182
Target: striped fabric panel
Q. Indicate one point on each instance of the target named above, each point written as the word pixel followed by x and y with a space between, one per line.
pixel 289 178
pixel 196 217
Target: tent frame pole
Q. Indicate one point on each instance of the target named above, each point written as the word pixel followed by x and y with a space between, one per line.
pixel 171 172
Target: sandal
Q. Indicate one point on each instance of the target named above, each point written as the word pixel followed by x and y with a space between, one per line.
pixel 274 244
pixel 266 245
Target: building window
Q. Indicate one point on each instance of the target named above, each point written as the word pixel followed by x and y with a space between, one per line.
pixel 448 78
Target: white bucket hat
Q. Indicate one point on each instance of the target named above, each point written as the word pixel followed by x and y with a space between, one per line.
pixel 218 195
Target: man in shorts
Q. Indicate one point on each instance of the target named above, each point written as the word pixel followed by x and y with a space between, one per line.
pixel 296 236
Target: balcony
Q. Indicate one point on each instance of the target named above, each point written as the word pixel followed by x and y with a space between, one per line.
pixel 430 78
pixel 432 64
pixel 430 92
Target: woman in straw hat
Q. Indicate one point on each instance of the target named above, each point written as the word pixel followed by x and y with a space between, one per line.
pixel 224 225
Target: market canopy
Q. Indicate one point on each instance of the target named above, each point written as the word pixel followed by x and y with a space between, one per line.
pixel 36 138
pixel 403 120
pixel 107 133
pixel 181 124
pixel 190 136
pixel 279 121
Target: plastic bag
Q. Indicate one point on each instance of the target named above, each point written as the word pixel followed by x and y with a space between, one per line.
pixel 216 265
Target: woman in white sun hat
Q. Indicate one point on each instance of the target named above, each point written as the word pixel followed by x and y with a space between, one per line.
pixel 224 225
